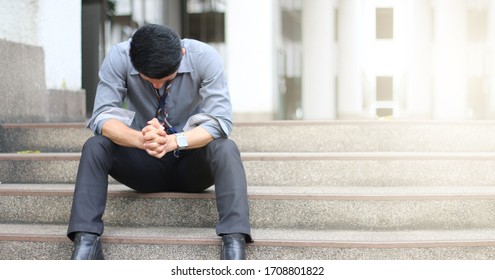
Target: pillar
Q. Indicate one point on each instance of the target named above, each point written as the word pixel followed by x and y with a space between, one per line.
pixel 450 90
pixel 318 74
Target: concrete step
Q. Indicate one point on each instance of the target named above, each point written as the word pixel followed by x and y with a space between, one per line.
pixel 316 208
pixel 44 137
pixel 291 136
pixel 298 169
pixel 317 190
pixel 38 242
pixel 366 136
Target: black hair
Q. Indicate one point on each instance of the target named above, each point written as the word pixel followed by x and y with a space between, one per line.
pixel 156 51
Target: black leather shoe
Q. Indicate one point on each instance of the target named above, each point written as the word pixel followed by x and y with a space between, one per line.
pixel 87 246
pixel 233 247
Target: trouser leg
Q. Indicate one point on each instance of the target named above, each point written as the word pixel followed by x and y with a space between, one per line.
pixel 218 163
pixel 222 161
pixel 230 188
pixel 133 167
pixel 90 194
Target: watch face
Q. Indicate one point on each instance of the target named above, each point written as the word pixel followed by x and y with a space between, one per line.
pixel 182 141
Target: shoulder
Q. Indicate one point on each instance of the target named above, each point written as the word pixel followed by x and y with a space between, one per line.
pixel 118 58
pixel 200 55
pixel 120 50
pixel 195 46
pixel 198 50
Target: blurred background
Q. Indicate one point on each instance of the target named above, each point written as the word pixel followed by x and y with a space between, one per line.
pixel 284 59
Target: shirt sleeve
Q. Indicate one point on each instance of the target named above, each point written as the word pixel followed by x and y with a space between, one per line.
pixel 111 91
pixel 216 110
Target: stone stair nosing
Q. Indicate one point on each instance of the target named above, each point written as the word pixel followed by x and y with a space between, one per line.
pixel 50 242
pixel 303 169
pixel 290 208
pixel 287 136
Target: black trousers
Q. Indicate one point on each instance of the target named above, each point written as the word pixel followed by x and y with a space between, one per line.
pixel 195 170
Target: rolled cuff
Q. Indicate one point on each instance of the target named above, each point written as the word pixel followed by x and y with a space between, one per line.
pixel 123 115
pixel 215 126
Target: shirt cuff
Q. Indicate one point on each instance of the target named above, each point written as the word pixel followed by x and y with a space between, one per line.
pixel 123 115
pixel 215 126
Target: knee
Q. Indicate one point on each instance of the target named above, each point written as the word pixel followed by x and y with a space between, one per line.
pixel 223 147
pixel 97 144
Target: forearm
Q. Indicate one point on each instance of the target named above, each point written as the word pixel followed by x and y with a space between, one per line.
pixel 122 135
pixel 197 137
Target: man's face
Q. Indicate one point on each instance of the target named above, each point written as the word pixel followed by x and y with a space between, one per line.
pixel 158 83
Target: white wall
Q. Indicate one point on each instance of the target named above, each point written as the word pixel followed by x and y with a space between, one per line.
pixel 53 25
pixel 18 20
pixel 59 29
pixel 250 55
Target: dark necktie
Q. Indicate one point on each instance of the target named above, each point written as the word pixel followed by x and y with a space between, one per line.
pixel 161 112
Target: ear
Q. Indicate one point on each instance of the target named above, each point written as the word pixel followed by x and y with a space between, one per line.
pixel 183 51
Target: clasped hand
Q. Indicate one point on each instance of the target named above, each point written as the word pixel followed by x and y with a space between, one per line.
pixel 156 140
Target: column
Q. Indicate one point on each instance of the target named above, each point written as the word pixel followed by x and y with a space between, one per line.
pixel 491 59
pixel 419 85
pixel 318 74
pixel 350 95
pixel 450 90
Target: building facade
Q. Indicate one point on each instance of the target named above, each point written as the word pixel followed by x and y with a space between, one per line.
pixel 400 59
pixel 292 59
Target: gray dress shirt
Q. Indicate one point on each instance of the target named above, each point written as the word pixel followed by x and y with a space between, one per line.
pixel 199 95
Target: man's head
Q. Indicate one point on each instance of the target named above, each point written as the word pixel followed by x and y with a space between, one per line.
pixel 156 51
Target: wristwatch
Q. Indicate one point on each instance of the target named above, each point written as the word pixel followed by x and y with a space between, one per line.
pixel 181 141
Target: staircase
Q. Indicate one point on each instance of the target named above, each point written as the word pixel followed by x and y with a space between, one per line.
pixel 318 190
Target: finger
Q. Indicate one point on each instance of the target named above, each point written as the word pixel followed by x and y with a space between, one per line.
pixel 157 144
pixel 160 151
pixel 155 123
pixel 152 153
pixel 150 145
pixel 149 136
pixel 155 150
pixel 161 132
pixel 147 129
pixel 151 129
pixel 156 153
pixel 158 141
pixel 160 155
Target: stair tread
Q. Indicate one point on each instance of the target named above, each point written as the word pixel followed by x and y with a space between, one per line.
pixel 284 123
pixel 343 173
pixel 263 237
pixel 278 192
pixel 326 136
pixel 292 155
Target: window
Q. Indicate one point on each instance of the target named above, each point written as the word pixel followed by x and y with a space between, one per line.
pixel 477 25
pixel 291 25
pixel 384 96
pixel 384 112
pixel 204 20
pixel 384 88
pixel 384 23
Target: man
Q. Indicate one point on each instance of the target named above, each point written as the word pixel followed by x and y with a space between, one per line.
pixel 173 136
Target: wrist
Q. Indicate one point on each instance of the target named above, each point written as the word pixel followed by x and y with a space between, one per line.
pixel 181 141
pixel 174 143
